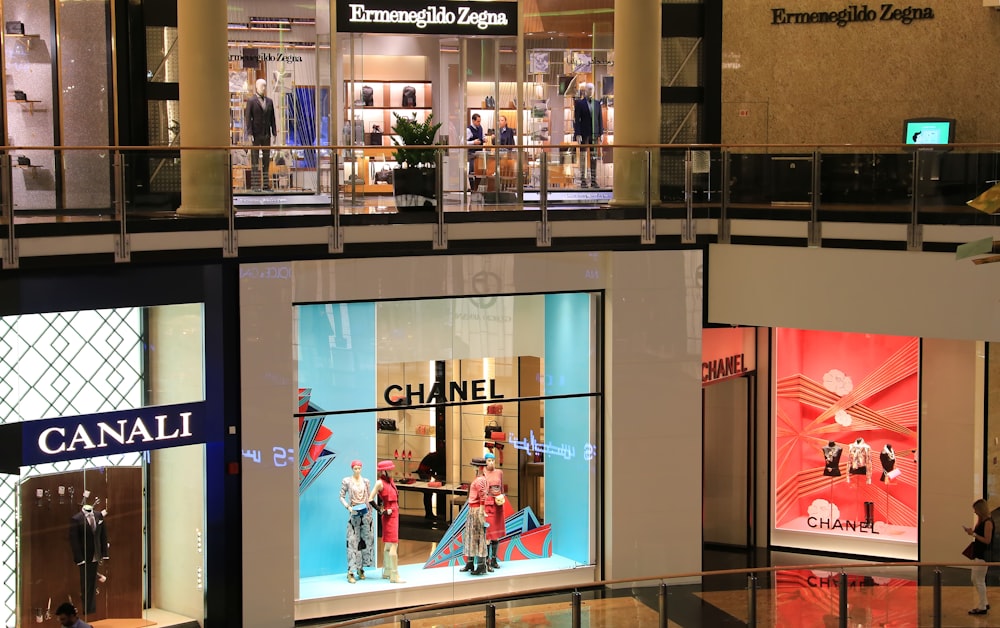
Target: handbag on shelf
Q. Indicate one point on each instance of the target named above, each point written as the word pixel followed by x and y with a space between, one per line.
pixel 367 96
pixel 20 95
pixel 491 427
pixel 375 137
pixel 23 161
pixel 384 176
pixel 387 425
pixel 968 553
pixel 409 96
pixel 13 28
pixel 494 408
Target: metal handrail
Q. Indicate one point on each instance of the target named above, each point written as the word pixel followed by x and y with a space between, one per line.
pixel 652 581
pixel 680 147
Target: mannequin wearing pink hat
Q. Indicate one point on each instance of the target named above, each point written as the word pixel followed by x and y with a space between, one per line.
pixel 475 523
pixel 493 508
pixel 354 491
pixel 385 488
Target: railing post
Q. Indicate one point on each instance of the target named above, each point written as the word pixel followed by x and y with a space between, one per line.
pixel 663 605
pixel 9 256
pixel 725 235
pixel 815 236
pixel 336 240
pixel 914 231
pixel 440 229
pixel 842 593
pixel 123 248
pixel 543 234
pixel 577 605
pixel 230 247
pixel 648 225
pixel 937 598
pixel 491 616
pixel 752 600
pixel 688 235
pixel 404 623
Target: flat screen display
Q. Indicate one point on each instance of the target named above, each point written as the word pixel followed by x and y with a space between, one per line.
pixel 929 131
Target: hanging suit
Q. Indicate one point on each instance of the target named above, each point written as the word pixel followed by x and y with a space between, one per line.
pixel 90 545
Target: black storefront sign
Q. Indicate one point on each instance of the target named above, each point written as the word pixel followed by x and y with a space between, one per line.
pixel 108 433
pixel 430 17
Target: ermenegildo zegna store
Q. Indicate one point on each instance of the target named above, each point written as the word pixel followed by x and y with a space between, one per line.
pixel 103 425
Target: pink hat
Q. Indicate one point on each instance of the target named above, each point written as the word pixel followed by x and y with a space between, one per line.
pixel 385 465
pixel 356 463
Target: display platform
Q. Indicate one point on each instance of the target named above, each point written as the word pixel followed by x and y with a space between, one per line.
pixel 154 617
pixel 329 596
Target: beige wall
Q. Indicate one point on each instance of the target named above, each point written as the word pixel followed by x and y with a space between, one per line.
pixel 826 84
pixel 177 475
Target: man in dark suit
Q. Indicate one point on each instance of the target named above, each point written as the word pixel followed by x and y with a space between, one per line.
pixel 261 125
pixel 88 538
pixel 588 127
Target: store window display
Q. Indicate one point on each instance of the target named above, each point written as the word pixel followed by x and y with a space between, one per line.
pixel 846 406
pixel 456 419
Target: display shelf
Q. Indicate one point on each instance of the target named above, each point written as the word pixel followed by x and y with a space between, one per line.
pixel 29 103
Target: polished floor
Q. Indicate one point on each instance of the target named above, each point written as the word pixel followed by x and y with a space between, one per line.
pixel 885 597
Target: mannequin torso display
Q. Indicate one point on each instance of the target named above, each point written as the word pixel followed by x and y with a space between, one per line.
pixel 88 539
pixel 860 459
pixel 831 455
pixel 888 460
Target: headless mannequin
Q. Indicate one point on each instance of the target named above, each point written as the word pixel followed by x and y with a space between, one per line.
pixel 260 125
pixel 89 542
pixel 888 460
pixel 860 462
pixel 831 454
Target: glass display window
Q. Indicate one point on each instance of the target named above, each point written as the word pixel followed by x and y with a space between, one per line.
pixel 445 439
pixel 101 493
pixel 846 442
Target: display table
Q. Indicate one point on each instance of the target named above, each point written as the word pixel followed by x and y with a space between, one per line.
pixel 441 491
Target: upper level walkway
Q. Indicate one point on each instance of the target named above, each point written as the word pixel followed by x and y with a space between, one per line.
pixel 887 196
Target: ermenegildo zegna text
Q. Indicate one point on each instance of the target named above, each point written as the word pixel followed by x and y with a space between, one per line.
pixel 853 13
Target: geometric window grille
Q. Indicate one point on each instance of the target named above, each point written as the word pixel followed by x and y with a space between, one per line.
pixel 62 364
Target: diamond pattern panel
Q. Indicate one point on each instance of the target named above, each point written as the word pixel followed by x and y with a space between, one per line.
pixel 62 364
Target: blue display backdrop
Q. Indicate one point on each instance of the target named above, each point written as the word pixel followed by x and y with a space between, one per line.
pixel 569 478
pixel 337 361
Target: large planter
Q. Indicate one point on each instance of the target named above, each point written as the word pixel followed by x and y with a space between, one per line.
pixel 415 189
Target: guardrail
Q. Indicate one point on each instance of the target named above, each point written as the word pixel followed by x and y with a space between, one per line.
pixel 123 187
pixel 837 592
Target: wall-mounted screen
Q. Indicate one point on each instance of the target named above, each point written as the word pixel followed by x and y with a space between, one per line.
pixel 929 131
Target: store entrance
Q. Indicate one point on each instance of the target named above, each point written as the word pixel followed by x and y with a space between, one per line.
pixel 453 79
pixel 728 419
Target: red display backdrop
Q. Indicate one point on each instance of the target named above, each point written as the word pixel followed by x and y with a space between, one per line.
pixel 837 387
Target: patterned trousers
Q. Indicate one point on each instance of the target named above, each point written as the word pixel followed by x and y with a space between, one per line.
pixel 360 533
pixel 475 534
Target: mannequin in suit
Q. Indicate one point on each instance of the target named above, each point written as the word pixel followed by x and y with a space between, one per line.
pixel 88 538
pixel 588 127
pixel 261 126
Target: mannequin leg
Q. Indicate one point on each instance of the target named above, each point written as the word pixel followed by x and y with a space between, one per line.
pixel 394 562
pixel 386 570
pixel 494 547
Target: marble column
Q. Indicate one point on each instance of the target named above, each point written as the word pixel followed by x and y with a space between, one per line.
pixel 637 97
pixel 204 106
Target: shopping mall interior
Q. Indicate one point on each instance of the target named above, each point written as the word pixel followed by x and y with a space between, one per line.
pixel 495 312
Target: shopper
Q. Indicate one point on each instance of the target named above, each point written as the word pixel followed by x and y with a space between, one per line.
pixel 475 522
pixel 431 467
pixel 493 509
pixel 982 537
pixel 354 491
pixel 505 135
pixel 474 137
pixel 67 616
pixel 385 488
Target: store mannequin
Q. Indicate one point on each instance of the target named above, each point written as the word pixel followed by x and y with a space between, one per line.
pixel 588 127
pixel 261 126
pixel 88 539
pixel 860 462
pixel 888 460
pixel 831 453
pixel 475 522
pixel 354 492
pixel 493 510
pixel 385 488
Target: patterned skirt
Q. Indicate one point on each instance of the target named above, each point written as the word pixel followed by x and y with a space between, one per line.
pixel 475 534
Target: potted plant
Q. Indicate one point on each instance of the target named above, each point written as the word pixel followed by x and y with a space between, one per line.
pixel 415 181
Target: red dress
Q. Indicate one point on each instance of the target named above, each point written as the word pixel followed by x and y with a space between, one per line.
pixel 390 523
pixel 493 512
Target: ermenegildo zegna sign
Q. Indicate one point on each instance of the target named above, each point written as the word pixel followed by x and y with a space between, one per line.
pixel 853 13
pixel 431 17
pixel 108 433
